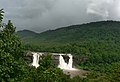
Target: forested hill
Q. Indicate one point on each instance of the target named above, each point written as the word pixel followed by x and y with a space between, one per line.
pixel 103 30
pixel 96 45
pixel 27 33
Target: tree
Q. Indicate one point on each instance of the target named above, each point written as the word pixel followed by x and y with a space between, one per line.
pixel 1 15
pixel 11 62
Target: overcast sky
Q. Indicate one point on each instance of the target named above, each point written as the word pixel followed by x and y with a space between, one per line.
pixel 41 15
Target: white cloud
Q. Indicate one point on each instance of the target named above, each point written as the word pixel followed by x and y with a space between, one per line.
pixel 100 7
pixel 41 15
pixel 107 9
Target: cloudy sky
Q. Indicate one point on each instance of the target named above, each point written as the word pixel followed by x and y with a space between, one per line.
pixel 41 15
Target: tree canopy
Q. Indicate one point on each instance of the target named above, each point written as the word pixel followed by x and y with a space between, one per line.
pixel 11 64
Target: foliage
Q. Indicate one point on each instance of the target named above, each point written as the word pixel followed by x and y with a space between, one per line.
pixel 11 63
pixel 1 16
pixel 46 72
pixel 97 44
pixel 105 73
pixel 97 41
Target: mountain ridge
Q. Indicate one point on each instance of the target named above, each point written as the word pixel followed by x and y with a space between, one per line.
pixel 101 30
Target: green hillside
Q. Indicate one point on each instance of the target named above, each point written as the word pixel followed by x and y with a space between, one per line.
pixel 96 45
pixel 104 30
pixel 96 38
pixel 27 33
